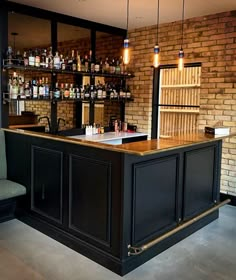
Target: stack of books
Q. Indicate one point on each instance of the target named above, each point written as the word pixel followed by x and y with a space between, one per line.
pixel 217 130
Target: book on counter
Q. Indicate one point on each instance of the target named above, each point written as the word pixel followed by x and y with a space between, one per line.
pixel 217 130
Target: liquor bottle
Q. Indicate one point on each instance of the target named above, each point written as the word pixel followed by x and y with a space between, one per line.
pixel 78 63
pixel 107 66
pixel 50 59
pixel 37 58
pixel 27 90
pixel 66 93
pixel 81 91
pixel 87 92
pixel 74 61
pixel 99 91
pixel 86 63
pixel 31 58
pixel 70 60
pixel 41 89
pixel 47 89
pixel 62 89
pixel 122 68
pixel 101 66
pixel 43 58
pixel 82 64
pixel 91 62
pixel 117 69
pixel 92 92
pixel 21 93
pixel 56 61
pixel 63 65
pixel 15 86
pixel 104 93
pixel 34 88
pixel 25 58
pixel 56 92
pixel 97 66
pixel 19 58
pixel 9 55
pixel 72 92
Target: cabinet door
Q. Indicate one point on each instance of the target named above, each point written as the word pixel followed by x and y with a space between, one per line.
pixel 155 192
pixel 46 187
pixel 199 181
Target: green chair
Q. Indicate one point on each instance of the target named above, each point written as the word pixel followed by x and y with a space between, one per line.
pixel 9 190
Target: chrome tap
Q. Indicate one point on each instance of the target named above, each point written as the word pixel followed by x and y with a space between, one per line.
pixel 48 121
pixel 58 123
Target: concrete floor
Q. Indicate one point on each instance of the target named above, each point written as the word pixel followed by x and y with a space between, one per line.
pixel 210 253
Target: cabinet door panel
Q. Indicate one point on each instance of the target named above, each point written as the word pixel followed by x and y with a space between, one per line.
pixel 90 199
pixel 155 198
pixel 46 196
pixel 199 181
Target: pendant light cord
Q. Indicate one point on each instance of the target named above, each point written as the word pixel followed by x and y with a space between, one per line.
pixel 158 14
pixel 127 23
pixel 182 35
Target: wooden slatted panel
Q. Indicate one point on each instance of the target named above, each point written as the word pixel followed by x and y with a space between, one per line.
pixel 179 88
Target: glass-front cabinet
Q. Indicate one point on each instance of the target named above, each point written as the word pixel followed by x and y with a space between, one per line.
pixel 63 74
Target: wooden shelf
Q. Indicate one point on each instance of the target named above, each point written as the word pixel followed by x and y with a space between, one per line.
pixel 180 111
pixel 58 71
pixel 180 86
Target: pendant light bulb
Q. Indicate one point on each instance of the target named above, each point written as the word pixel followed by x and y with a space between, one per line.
pixel 156 57
pixel 181 60
pixel 126 54
pixel 156 54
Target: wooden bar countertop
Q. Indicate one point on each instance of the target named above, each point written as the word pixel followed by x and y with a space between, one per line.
pixel 140 148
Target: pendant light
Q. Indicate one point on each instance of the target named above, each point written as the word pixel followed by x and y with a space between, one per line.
pixel 126 55
pixel 156 56
pixel 181 52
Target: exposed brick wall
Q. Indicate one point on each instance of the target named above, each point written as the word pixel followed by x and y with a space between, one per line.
pixel 210 40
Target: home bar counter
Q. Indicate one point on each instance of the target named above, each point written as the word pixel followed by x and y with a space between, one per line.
pixel 111 202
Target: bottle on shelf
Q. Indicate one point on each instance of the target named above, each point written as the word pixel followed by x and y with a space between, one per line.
pixel 47 89
pixel 72 92
pixel 107 66
pixel 41 89
pixel 50 58
pixel 81 91
pixel 91 62
pixel 43 58
pixel 18 58
pixel 56 92
pixel 97 66
pixel 31 58
pixel 62 61
pixel 66 93
pixel 27 90
pixel 74 62
pixel 62 90
pixel 78 63
pixel 34 89
pixel 37 58
pixel 117 67
pixel 9 55
pixel 21 93
pixel 56 61
pixel 86 63
pixel 25 59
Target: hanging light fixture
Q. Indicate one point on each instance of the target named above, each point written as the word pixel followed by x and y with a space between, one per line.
pixel 181 52
pixel 126 54
pixel 156 56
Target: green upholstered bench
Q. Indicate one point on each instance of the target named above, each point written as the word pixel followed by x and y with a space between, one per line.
pixel 9 190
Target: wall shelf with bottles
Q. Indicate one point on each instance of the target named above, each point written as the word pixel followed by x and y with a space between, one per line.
pixel 59 71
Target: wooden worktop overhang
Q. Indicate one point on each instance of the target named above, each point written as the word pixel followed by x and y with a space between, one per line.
pixel 140 148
